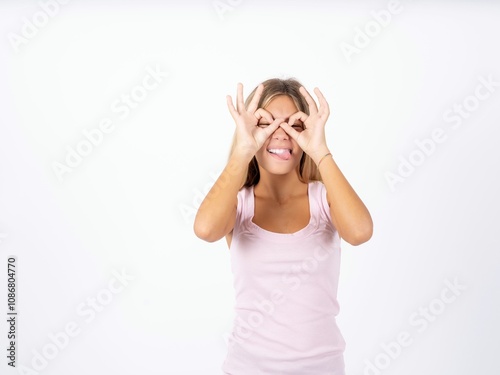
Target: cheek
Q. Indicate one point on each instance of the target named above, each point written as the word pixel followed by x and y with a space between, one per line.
pixel 260 153
pixel 264 147
pixel 262 150
pixel 297 148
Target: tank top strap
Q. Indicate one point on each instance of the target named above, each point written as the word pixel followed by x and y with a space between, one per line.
pixel 314 196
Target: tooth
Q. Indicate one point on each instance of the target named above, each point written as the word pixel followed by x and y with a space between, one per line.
pixel 279 150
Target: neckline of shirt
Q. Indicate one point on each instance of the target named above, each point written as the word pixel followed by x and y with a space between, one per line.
pixel 289 237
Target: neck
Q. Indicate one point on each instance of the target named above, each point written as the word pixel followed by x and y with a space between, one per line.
pixel 279 188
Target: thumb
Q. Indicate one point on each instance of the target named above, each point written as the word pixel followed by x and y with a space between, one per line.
pixel 266 132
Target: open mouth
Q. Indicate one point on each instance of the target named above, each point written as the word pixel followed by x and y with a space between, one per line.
pixel 280 153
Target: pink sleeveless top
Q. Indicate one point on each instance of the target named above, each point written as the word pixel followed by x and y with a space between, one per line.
pixel 286 294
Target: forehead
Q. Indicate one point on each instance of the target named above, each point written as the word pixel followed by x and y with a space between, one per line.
pixel 281 106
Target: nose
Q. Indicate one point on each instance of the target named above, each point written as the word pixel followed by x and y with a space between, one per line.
pixel 280 133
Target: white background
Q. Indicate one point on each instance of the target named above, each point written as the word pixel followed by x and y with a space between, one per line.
pixel 130 203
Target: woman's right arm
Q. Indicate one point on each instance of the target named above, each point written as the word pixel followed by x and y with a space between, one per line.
pixel 217 213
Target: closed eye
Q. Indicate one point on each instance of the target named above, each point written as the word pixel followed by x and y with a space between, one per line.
pixel 297 127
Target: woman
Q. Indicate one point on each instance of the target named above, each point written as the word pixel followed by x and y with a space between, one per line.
pixel 283 204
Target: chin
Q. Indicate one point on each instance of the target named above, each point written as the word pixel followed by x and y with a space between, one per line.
pixel 278 171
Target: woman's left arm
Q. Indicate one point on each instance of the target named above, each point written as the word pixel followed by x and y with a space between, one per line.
pixel 349 214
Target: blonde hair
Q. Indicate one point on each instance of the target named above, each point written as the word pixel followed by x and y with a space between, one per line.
pixel 308 171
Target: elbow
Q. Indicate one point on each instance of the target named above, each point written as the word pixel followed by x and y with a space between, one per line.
pixel 360 235
pixel 204 233
pixel 359 239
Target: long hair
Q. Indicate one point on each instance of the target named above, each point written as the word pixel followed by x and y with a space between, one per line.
pixel 273 87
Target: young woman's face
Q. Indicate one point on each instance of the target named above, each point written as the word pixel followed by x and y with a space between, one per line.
pixel 280 154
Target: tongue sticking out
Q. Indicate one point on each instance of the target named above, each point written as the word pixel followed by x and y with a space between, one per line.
pixel 284 155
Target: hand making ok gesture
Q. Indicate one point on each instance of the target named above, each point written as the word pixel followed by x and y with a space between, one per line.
pixel 249 136
pixel 312 139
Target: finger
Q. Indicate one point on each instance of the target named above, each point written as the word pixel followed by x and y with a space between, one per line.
pixel 290 131
pixel 239 98
pixel 230 106
pixel 323 104
pixel 262 113
pixel 313 109
pixel 256 97
pixel 268 130
pixel 297 116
